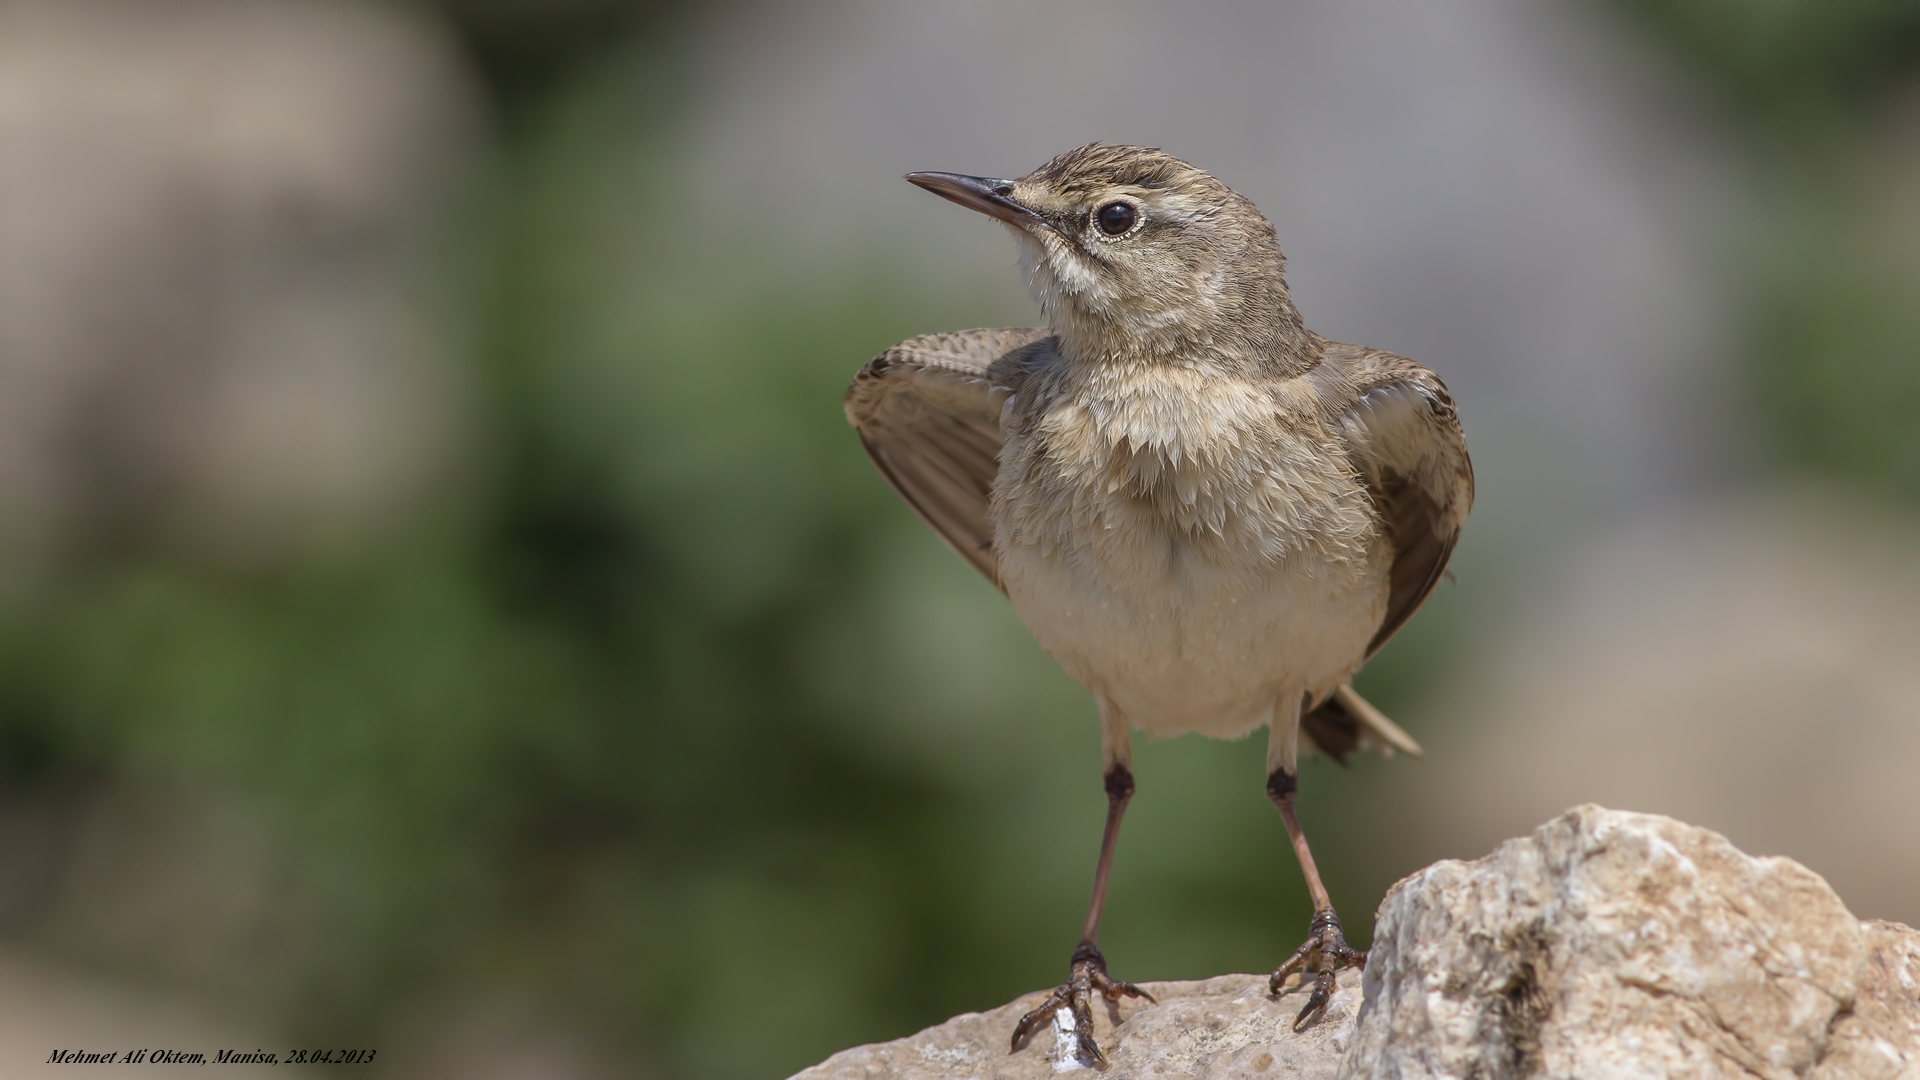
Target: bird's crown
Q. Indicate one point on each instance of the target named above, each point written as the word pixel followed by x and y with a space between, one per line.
pixel 1133 252
pixel 1096 167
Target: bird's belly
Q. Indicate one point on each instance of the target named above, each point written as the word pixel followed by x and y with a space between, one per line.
pixel 1178 639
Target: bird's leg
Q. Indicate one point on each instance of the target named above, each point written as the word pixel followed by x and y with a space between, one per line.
pixel 1088 969
pixel 1325 950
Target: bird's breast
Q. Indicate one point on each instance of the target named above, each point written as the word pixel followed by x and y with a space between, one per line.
pixel 1143 470
pixel 1188 544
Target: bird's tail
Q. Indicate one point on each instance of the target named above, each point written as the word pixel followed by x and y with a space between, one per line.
pixel 1346 722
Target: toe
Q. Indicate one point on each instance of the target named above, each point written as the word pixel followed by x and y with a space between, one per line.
pixel 1089 1050
pixel 1296 962
pixel 1031 1023
pixel 1115 989
pixel 1316 1002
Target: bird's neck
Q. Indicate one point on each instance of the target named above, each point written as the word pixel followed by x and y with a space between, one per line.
pixel 1270 351
pixel 1248 332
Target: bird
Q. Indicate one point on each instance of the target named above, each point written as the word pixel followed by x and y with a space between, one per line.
pixel 1209 515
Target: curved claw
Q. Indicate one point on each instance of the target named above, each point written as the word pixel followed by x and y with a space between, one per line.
pixel 1089 1051
pixel 1323 986
pixel 1075 999
pixel 1071 998
pixel 1323 953
pixel 1115 989
pixel 1023 1032
pixel 1298 960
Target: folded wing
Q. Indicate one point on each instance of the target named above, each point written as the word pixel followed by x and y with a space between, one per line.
pixel 928 414
pixel 1403 437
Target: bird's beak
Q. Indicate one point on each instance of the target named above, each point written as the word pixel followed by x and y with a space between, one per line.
pixel 991 197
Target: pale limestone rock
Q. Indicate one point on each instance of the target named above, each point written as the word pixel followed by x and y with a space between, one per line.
pixel 1880 1038
pixel 1610 944
pixel 1219 1028
pixel 1606 944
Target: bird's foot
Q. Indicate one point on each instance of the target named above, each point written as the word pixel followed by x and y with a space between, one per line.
pixel 1073 1001
pixel 1324 952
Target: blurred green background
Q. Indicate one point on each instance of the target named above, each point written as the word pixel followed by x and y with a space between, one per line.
pixel 657 718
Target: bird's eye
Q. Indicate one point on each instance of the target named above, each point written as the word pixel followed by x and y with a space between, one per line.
pixel 1116 218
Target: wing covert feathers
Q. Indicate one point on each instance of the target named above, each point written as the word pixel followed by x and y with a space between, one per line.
pixel 928 414
pixel 1403 437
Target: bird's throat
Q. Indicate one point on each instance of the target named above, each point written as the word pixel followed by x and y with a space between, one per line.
pixel 1283 350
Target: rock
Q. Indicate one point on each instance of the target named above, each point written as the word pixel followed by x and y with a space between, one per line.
pixel 1606 944
pixel 1880 1036
pixel 1616 944
pixel 1217 1028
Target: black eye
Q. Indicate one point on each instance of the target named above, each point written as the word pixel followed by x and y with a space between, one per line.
pixel 1115 218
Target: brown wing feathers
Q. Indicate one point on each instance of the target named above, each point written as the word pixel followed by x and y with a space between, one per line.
pixel 1421 547
pixel 928 413
pixel 1404 439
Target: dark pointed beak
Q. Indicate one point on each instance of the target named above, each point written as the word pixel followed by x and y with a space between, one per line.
pixel 991 197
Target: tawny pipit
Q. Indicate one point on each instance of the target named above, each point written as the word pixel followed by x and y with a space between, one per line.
pixel 1210 515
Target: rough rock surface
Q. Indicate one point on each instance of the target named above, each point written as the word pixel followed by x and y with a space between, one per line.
pixel 1215 1028
pixel 1613 944
pixel 1606 944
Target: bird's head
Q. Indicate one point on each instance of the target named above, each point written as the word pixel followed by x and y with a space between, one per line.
pixel 1133 252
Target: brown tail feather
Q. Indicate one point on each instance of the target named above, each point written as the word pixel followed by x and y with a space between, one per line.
pixel 1346 722
pixel 1331 728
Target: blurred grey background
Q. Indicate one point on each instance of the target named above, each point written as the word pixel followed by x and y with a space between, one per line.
pixel 443 610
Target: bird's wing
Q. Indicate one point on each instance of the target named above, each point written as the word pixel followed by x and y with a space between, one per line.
pixel 928 413
pixel 1403 437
